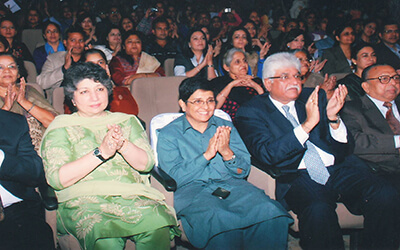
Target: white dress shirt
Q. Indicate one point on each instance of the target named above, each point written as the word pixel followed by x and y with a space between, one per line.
pixel 339 134
pixel 6 197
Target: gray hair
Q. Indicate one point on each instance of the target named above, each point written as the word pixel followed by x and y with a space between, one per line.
pixel 228 57
pixel 278 61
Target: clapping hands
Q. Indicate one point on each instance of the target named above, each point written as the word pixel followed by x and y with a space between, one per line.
pixel 219 143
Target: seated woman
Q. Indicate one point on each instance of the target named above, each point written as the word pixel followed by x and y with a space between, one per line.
pixel 204 154
pixel 132 63
pixel 98 163
pixel 88 24
pixel 237 86
pixel 112 44
pixel 362 56
pixel 196 58
pixel 51 34
pixel 17 97
pixel 339 56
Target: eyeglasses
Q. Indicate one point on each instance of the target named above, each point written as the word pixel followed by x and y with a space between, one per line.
pixel 285 77
pixel 52 32
pixel 6 27
pixel 391 31
pixel 199 103
pixel 386 79
pixel 10 67
pixel 114 12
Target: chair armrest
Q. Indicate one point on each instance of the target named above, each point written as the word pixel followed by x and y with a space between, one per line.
pixel 165 180
pixel 49 198
pixel 272 171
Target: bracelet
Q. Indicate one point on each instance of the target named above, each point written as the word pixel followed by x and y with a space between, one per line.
pixel 210 66
pixel 33 105
pixel 335 121
pixel 197 69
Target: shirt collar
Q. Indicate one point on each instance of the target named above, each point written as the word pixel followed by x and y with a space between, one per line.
pixel 186 125
pixel 279 105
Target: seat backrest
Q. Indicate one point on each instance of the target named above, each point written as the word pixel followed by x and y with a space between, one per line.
pixel 32 73
pixel 58 100
pixel 156 95
pixel 169 66
pixel 339 76
pixel 31 37
pixel 37 87
pixel 161 120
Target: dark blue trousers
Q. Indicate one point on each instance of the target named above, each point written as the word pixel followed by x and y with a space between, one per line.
pixel 362 192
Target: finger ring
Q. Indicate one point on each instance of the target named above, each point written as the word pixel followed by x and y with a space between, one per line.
pixel 6 94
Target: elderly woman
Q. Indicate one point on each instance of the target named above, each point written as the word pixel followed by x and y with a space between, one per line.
pixel 204 154
pixel 237 86
pixel 22 99
pixel 51 34
pixel 98 163
pixel 196 58
pixel 132 63
pixel 362 56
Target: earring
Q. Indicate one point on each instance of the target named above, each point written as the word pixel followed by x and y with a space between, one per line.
pixel 73 103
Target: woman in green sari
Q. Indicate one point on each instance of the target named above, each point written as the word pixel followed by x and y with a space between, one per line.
pixel 98 163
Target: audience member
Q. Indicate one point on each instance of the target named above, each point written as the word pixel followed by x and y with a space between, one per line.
pixel 132 62
pixel 56 64
pixel 204 177
pixel 8 29
pixel 298 133
pixel 127 24
pixel 373 120
pixel 100 174
pixel 22 223
pixel 88 24
pixel 339 56
pixel 388 51
pixel 236 87
pixel 145 25
pixel 53 44
pixel 33 19
pixel 160 45
pixel 196 57
pixel 362 56
pixel 113 43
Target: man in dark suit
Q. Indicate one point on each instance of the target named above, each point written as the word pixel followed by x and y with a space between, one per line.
pixel 301 135
pixel 369 121
pixel 21 170
pixel 388 51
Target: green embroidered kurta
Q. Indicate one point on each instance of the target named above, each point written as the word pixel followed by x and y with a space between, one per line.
pixel 114 200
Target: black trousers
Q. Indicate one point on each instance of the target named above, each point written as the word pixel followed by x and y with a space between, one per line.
pixel 363 193
pixel 25 227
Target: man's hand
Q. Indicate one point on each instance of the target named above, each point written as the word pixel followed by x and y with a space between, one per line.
pixel 312 111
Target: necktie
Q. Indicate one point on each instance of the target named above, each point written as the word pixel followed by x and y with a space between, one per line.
pixel 314 164
pixel 1 210
pixel 393 122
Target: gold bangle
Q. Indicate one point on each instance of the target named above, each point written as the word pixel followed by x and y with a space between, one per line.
pixel 33 105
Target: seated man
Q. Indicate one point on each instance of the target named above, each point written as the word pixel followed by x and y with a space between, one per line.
pixel 22 223
pixel 373 120
pixel 299 134
pixel 387 52
pixel 160 45
pixel 218 208
pixel 56 64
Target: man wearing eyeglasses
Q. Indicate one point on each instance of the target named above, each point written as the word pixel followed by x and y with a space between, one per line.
pixel 299 136
pixel 373 120
pixel 388 51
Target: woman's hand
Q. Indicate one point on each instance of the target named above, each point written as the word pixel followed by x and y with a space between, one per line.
pixel 9 97
pixel 264 49
pixel 317 66
pixel 209 56
pixel 112 142
pixel 217 48
pixel 212 147
pixel 21 93
pixel 224 135
pixel 329 85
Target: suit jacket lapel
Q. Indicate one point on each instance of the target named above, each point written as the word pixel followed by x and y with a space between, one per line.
pixel 276 115
pixel 374 116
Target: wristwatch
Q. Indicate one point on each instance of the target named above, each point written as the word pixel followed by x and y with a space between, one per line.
pixel 335 121
pixel 97 153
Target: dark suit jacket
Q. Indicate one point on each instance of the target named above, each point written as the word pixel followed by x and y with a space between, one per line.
pixel 270 139
pixel 385 56
pixel 373 137
pixel 22 169
pixel 337 61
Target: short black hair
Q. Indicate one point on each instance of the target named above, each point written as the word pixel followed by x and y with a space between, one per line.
pixel 81 71
pixel 46 24
pixel 160 19
pixel 191 84
pixel 88 52
pixel 385 23
pixel 74 29
pixel 365 72
pixel 186 50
